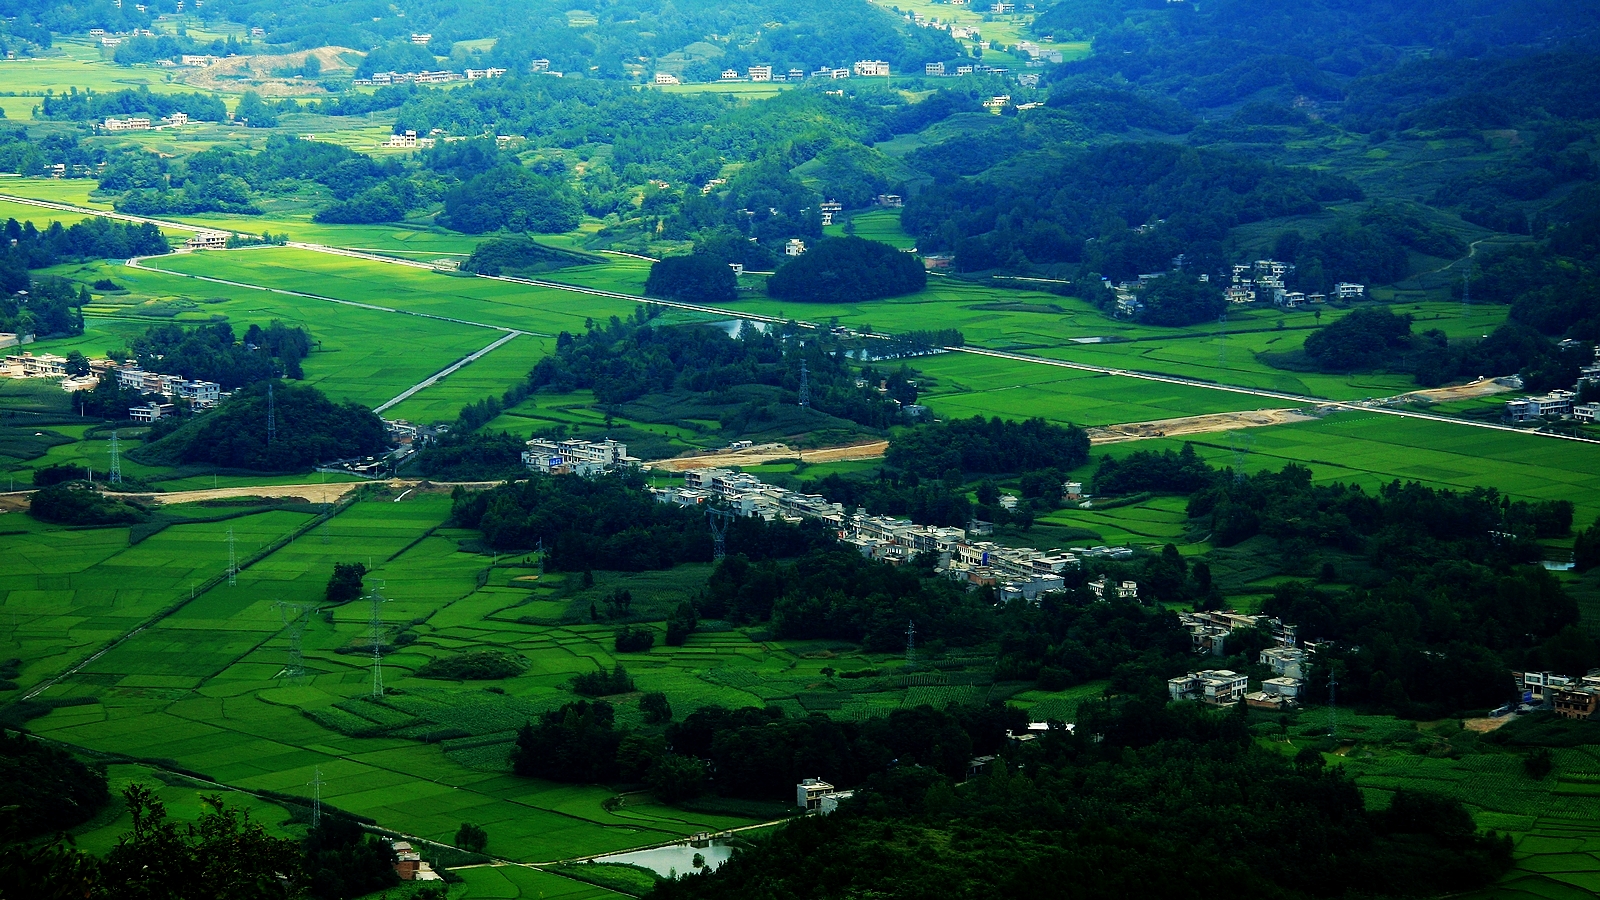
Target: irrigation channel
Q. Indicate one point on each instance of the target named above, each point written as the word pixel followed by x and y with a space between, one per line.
pixel 1326 405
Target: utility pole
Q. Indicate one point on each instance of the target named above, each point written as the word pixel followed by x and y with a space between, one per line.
pixel 116 461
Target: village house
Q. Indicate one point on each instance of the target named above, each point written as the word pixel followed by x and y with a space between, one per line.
pixel 870 68
pixel 1554 405
pixel 576 456
pixel 933 68
pixel 151 412
pixel 207 240
pixel 817 796
pixel 760 73
pixel 1217 687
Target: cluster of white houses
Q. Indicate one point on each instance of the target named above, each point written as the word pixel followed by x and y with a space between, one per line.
pixel 198 394
pixel 1559 404
pixel 1264 280
pixel 380 79
pixel 144 123
pixel 1208 634
pixel 1015 572
pixel 1570 698
pixel 576 457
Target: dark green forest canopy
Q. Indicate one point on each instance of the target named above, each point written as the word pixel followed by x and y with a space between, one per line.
pixel 626 361
pixel 847 270
pixel 1178 779
pixel 810 34
pixel 310 429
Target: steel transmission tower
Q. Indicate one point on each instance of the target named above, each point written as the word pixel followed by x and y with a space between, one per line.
pixel 1333 709
pixel 295 617
pixel 272 417
pixel 316 797
pixel 719 532
pixel 805 386
pixel 233 560
pixel 911 645
pixel 116 461
pixel 377 643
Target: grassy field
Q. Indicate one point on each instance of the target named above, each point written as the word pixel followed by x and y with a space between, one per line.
pixel 1552 821
pixel 72 64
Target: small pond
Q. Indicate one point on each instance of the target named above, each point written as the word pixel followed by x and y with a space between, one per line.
pixel 674 859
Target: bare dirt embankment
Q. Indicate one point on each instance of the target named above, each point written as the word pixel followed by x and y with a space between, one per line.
pixel 765 453
pixel 1140 431
pixel 256 72
pixel 1482 388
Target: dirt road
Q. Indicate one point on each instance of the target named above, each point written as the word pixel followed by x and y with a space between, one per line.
pixel 765 453
pixel 1139 431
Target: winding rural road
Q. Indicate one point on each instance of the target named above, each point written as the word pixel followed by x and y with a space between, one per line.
pixel 1375 406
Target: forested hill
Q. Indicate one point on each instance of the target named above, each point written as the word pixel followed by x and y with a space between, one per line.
pixel 715 33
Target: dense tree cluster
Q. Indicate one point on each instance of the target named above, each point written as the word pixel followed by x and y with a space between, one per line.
pixel 213 353
pixel 310 429
pixel 517 254
pixel 836 593
pixel 830 32
pixel 695 278
pixel 1087 207
pixel 1041 819
pixel 1179 299
pixel 625 361
pixel 78 503
pixel 223 854
pixel 47 789
pixel 757 754
pixel 585 523
pixel 90 106
pixel 513 198
pixel 50 306
pixel 847 270
pixel 988 446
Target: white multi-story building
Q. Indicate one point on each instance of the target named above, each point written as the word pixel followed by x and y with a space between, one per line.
pixel 667 78
pixel 576 456
pixel 1349 290
pixel 933 68
pixel 870 68
pixel 1218 687
pixel 760 73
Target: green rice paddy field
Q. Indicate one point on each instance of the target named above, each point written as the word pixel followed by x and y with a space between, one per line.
pixel 205 688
